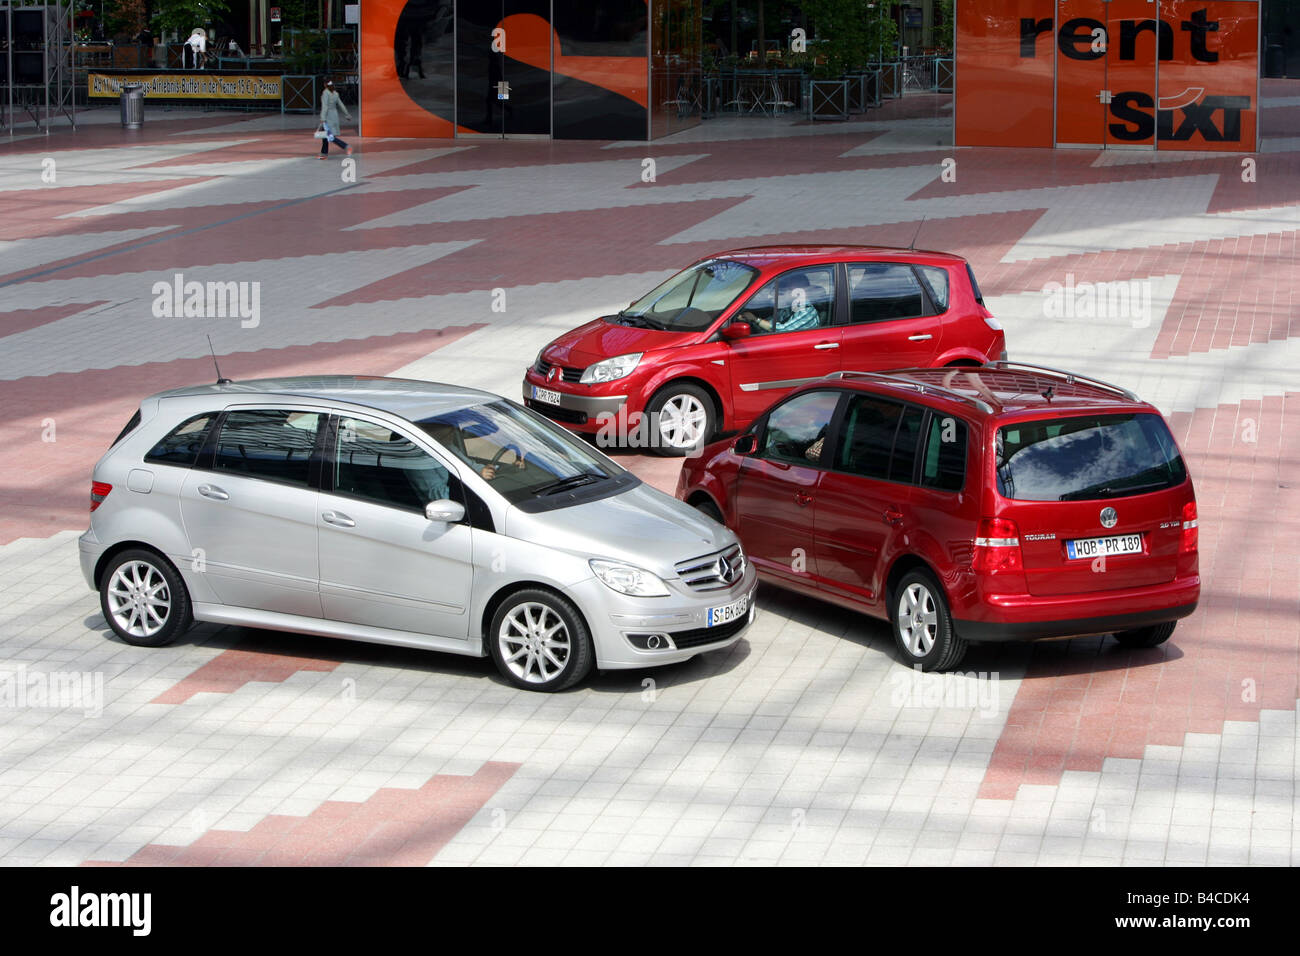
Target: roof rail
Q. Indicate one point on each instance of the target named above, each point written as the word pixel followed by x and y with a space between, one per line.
pixel 1070 377
pixel 924 388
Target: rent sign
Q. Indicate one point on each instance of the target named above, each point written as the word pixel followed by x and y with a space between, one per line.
pixel 1174 74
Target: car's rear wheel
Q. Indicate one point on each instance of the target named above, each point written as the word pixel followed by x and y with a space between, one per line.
pixel 923 626
pixel 1152 636
pixel 540 642
pixel 144 600
pixel 681 419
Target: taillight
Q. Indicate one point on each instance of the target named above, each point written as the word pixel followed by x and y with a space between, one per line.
pixel 997 547
pixel 1191 535
pixel 98 492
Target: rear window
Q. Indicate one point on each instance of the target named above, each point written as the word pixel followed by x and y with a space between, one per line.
pixel 936 283
pixel 974 286
pixel 130 427
pixel 1087 457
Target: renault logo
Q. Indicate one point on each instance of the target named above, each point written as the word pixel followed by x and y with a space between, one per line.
pixel 1109 517
pixel 553 374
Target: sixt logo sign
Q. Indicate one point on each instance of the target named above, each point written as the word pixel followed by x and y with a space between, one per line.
pixel 1137 114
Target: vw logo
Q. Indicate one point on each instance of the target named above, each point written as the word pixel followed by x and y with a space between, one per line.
pixel 553 374
pixel 1109 517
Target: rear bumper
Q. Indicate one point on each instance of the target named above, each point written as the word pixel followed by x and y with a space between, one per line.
pixel 1022 617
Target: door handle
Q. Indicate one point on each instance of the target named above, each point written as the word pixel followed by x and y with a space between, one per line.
pixel 802 500
pixel 339 519
pixel 919 338
pixel 213 492
pixel 826 345
pixel 893 515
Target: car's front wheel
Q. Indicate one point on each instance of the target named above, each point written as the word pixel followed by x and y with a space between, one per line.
pixel 144 600
pixel 540 642
pixel 922 624
pixel 1152 636
pixel 681 418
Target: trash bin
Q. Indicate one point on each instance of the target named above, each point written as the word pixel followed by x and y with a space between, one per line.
pixel 132 105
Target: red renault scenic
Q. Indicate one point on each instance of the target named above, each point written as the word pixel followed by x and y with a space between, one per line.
pixel 1010 502
pixel 710 348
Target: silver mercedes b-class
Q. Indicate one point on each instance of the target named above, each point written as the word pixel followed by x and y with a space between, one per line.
pixel 402 512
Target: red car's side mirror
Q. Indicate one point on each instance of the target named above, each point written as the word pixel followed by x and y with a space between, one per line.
pixel 736 330
pixel 746 444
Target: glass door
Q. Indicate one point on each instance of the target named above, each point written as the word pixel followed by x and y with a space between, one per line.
pixel 503 68
pixel 1106 64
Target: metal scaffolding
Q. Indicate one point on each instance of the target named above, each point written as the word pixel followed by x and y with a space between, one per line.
pixel 37 49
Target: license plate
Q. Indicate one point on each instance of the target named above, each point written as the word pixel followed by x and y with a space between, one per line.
pixel 1083 548
pixel 546 395
pixel 728 612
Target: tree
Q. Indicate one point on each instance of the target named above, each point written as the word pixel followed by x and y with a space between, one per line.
pixel 851 33
pixel 946 32
pixel 183 16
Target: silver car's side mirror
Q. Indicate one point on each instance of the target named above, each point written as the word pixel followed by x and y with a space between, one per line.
pixel 444 510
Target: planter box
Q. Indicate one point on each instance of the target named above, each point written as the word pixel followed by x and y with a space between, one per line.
pixel 891 80
pixel 829 99
pixel 943 74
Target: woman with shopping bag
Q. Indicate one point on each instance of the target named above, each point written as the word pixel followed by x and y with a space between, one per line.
pixel 330 104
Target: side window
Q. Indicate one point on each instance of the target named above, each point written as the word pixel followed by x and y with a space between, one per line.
pixel 798 300
pixel 374 463
pixel 880 438
pixel 183 443
pixel 936 283
pixel 944 465
pixel 879 291
pixel 274 444
pixel 798 431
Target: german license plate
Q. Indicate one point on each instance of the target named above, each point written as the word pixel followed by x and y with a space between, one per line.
pixel 728 612
pixel 1083 548
pixel 546 395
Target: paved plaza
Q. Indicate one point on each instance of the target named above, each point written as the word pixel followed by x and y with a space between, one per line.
pixel 805 743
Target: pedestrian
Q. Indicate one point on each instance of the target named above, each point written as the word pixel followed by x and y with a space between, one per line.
pixel 330 104
pixel 198 43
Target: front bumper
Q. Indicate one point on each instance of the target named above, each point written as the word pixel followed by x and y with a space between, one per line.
pixel 1022 617
pixel 616 620
pixel 580 412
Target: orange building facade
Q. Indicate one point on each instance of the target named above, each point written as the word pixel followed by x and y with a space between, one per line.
pixel 1137 74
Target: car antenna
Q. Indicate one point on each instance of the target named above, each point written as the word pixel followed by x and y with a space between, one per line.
pixel 917 234
pixel 1048 393
pixel 220 380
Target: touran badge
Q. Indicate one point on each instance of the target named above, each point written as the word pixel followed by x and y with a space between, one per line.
pixel 1109 517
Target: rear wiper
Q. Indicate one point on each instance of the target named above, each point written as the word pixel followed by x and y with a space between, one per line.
pixel 1111 491
pixel 564 484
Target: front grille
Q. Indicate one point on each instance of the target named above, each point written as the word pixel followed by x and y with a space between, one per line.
pixel 708 635
pixel 713 572
pixel 568 374
pixel 556 413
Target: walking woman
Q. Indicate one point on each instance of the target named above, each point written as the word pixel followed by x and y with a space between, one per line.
pixel 330 104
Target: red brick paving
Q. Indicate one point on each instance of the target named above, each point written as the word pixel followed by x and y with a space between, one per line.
pixel 235 667
pixel 395 827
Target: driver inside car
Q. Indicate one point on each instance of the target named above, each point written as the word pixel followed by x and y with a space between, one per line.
pixel 798 313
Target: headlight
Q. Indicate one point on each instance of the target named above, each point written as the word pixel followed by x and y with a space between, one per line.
pixel 610 369
pixel 628 579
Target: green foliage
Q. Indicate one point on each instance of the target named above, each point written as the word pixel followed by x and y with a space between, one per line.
pixel 850 33
pixel 124 17
pixel 183 16
pixel 943 34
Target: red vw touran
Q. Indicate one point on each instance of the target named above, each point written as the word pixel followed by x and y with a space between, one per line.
pixel 1009 502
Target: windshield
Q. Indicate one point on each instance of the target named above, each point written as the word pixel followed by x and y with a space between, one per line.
pixel 1088 457
pixel 691 300
pixel 521 456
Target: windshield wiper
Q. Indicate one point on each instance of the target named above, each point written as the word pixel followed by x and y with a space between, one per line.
pixel 1112 491
pixel 564 484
